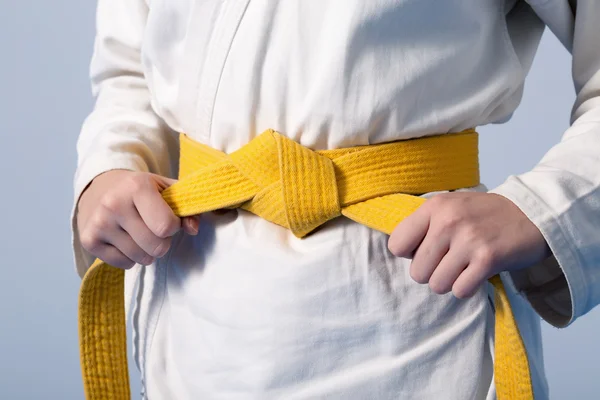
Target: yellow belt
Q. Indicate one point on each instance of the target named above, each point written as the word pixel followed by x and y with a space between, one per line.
pixel 300 189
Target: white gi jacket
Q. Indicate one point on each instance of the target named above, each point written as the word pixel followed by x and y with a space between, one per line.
pixel 247 311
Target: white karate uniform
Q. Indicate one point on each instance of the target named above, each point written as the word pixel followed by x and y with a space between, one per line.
pixel 245 310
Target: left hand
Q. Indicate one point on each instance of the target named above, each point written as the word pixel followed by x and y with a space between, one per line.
pixel 458 240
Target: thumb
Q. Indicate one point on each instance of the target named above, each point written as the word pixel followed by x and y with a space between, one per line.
pixel 163 181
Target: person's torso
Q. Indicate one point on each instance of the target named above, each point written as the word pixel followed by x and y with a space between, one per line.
pixel 246 310
pixel 333 73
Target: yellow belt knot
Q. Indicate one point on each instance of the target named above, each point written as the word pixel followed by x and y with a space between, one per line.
pixel 287 183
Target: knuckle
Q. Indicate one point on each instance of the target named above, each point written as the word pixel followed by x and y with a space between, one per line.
pixel 470 233
pixel 111 201
pixel 100 223
pixel 486 256
pixel 449 223
pixel 440 201
pixel 162 230
pixel 436 200
pixel 89 241
pixel 161 248
pixel 454 218
pixel 139 256
pixel 450 218
pixel 166 228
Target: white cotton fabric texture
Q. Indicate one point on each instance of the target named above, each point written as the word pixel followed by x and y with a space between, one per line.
pixel 247 311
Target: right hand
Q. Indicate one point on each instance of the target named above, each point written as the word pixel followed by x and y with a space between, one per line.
pixel 122 218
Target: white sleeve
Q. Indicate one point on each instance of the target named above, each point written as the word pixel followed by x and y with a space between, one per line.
pixel 122 131
pixel 561 194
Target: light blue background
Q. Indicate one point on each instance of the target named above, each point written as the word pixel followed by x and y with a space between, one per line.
pixel 45 48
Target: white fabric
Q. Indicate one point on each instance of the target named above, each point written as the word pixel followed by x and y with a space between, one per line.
pixel 247 311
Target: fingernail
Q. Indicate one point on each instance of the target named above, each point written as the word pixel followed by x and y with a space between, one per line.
pixel 194 225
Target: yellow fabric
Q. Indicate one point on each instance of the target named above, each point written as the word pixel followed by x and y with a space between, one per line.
pixel 300 189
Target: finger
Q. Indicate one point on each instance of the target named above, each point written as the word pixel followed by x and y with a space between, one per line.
pixel 191 224
pixel 469 281
pixel 156 213
pixel 123 242
pixel 447 272
pixel 409 234
pixel 427 257
pixel 132 223
pixel 113 256
pixel 164 182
